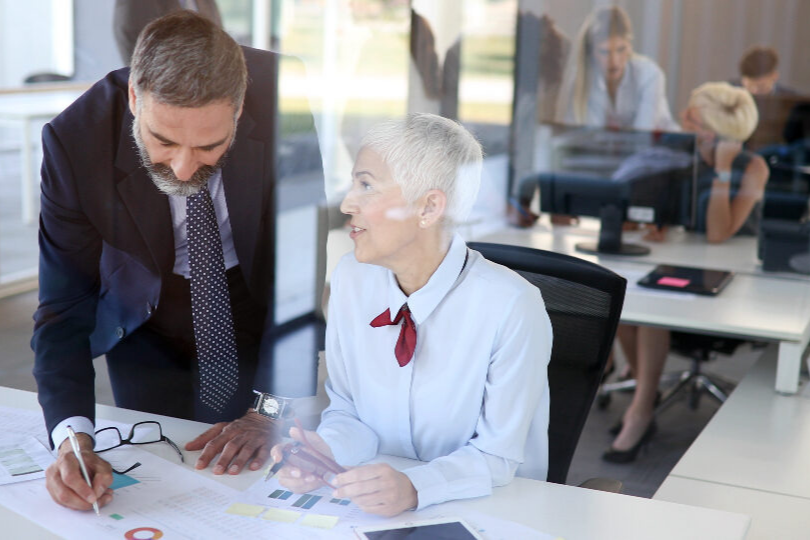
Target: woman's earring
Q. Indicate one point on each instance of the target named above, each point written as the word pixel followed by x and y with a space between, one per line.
pixel 423 223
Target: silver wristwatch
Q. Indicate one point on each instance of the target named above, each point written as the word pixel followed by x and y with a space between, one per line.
pixel 271 406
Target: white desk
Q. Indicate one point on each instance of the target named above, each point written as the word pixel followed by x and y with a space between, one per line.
pixel 752 457
pixel 571 512
pixel 25 108
pixel 757 305
pixel 773 515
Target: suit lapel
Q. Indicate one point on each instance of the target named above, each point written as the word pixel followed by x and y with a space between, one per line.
pixel 147 206
pixel 243 179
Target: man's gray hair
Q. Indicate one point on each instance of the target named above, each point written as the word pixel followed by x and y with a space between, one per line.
pixel 185 60
pixel 425 151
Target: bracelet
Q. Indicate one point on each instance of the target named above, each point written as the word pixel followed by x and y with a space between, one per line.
pixel 724 176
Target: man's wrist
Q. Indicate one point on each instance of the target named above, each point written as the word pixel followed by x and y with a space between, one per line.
pixel 272 406
pixel 85 443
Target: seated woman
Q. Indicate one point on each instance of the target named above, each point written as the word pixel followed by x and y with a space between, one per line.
pixel 433 352
pixel 730 187
pixel 607 83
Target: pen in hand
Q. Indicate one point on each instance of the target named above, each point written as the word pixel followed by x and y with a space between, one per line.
pixel 77 451
pixel 285 453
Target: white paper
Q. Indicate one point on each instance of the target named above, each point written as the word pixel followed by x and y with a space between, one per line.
pixel 167 497
pixel 22 458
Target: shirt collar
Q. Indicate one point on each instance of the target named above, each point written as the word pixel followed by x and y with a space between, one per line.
pixel 424 301
pixel 627 78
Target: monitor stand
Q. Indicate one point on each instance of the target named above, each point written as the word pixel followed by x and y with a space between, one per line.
pixel 610 235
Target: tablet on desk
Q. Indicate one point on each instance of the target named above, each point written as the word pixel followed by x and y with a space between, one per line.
pixel 430 529
pixel 687 279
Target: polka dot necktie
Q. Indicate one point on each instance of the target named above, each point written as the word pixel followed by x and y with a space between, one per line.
pixel 210 304
pixel 406 343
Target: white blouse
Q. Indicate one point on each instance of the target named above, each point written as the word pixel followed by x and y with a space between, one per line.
pixel 477 381
pixel 641 99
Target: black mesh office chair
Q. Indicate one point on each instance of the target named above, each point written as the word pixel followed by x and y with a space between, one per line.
pixel 584 302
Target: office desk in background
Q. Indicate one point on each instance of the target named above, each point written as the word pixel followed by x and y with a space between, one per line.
pixel 755 305
pixel 25 108
pixel 570 512
pixel 752 457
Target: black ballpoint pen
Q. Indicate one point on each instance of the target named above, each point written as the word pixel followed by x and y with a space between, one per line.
pixel 284 455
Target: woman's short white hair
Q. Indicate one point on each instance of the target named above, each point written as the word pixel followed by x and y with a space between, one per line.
pixel 729 111
pixel 425 151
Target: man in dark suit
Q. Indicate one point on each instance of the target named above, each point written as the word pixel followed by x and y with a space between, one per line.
pixel 118 238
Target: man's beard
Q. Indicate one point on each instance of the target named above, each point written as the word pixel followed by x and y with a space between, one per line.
pixel 163 176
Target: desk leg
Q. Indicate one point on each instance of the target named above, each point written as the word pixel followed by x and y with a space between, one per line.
pixel 27 187
pixel 788 366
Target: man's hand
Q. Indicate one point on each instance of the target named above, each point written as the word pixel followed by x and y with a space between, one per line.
pixel 655 233
pixel 65 481
pixel 520 216
pixel 294 478
pixel 377 489
pixel 246 439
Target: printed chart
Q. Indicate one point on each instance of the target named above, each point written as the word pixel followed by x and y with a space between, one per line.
pixel 270 501
pixel 159 499
pixel 22 458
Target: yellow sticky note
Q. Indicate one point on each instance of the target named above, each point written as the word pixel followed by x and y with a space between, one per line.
pixel 319 521
pixel 241 509
pixel 283 516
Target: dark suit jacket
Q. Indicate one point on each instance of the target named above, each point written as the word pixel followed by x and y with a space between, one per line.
pixel 131 16
pixel 106 240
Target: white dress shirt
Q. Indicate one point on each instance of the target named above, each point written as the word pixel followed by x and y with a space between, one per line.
pixel 177 207
pixel 641 99
pixel 477 381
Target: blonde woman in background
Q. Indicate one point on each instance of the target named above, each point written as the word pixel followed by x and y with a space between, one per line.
pixel 607 84
pixel 730 188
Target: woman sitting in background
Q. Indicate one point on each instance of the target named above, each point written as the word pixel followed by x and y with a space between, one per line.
pixel 730 187
pixel 433 352
pixel 610 85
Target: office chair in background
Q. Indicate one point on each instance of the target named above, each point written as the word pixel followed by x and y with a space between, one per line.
pixel 691 383
pixel 584 302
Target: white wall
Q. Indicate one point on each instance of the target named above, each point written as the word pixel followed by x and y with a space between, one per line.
pixel 26 40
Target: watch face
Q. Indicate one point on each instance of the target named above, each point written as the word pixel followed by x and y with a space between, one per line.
pixel 270 406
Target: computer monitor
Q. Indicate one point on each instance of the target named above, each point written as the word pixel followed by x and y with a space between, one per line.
pixel 618 176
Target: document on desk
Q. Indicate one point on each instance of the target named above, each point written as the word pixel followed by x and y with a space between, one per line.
pixel 157 497
pixel 272 502
pixel 22 458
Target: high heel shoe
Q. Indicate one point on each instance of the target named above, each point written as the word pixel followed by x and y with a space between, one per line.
pixel 626 456
pixel 617 427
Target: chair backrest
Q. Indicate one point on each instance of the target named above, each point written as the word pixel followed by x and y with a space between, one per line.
pixel 584 302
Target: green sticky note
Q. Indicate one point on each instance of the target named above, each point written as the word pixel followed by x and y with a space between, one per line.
pixel 241 509
pixel 282 516
pixel 319 521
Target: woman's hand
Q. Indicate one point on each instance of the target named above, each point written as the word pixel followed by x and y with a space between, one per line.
pixel 377 489
pixel 724 154
pixel 295 478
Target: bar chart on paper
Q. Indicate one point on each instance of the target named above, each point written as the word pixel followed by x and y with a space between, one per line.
pixel 318 509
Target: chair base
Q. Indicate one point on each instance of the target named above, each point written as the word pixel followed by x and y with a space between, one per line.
pixel 693 382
